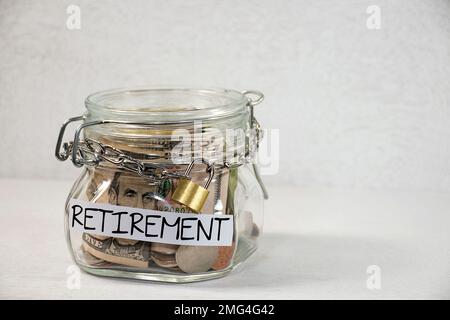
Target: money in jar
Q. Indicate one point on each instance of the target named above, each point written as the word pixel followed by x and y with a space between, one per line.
pixel 169 190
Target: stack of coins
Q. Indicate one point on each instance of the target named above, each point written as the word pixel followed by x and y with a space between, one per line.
pixel 164 254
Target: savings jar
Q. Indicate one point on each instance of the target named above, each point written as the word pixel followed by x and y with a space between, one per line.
pixel 169 188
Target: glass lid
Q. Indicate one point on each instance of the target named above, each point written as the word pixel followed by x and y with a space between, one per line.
pixel 158 105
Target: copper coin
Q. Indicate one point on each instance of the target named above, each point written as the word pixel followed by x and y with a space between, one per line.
pixel 224 257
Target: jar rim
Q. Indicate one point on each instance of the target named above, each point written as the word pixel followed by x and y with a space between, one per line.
pixel 166 104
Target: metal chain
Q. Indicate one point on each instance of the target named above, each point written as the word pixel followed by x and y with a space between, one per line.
pixel 92 153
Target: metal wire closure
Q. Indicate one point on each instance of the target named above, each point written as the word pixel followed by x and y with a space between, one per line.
pixel 90 152
pixel 254 125
pixel 63 156
pixel 250 93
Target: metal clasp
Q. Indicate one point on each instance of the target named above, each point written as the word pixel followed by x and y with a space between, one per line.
pixel 254 125
pixel 63 156
pixel 253 102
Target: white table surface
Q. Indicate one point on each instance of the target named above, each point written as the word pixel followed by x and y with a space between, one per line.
pixel 316 244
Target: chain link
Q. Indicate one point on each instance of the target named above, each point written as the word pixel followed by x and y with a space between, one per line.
pixel 92 153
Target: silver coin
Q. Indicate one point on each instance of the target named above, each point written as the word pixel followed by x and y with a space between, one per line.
pixel 164 260
pixel 164 248
pixel 193 259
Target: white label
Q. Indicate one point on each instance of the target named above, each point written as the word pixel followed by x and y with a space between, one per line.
pixel 151 225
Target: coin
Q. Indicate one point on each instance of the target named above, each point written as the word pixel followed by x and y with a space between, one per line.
pixel 164 248
pixel 164 260
pixel 193 259
pixel 225 254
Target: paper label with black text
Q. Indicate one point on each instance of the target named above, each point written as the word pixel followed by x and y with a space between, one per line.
pixel 151 225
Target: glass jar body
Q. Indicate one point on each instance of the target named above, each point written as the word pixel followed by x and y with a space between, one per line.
pixel 168 190
pixel 116 257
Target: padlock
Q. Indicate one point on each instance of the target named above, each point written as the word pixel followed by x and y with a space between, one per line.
pixel 191 194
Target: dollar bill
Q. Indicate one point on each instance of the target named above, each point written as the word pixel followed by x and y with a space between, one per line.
pixel 110 250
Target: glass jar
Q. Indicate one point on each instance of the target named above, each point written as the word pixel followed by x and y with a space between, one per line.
pixel 169 189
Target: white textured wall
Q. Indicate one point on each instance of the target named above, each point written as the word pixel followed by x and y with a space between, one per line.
pixel 356 107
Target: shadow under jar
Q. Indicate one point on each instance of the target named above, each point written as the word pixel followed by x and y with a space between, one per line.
pixel 169 190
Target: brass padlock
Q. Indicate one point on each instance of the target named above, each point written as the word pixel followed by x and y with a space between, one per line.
pixel 191 194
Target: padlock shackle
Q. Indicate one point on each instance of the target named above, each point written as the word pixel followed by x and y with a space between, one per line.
pixel 210 169
pixel 211 175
